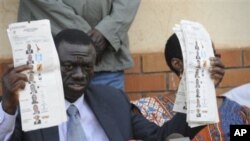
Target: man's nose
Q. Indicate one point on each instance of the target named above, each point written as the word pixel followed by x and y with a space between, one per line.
pixel 78 73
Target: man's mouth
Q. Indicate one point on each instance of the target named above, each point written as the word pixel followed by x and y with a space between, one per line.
pixel 76 87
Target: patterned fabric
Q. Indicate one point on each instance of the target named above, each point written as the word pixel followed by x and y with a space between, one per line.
pixel 156 109
pixel 232 113
pixel 159 109
pixel 245 112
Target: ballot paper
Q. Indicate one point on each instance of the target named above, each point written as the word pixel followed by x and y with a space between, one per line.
pixel 196 94
pixel 42 101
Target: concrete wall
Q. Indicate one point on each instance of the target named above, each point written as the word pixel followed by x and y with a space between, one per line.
pixel 226 20
pixel 8 10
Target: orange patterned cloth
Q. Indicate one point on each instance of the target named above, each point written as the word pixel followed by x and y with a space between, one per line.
pixel 159 110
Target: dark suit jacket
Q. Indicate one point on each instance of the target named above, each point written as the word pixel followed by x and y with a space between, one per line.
pixel 113 110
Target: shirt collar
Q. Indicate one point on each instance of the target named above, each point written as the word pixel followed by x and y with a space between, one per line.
pixel 79 103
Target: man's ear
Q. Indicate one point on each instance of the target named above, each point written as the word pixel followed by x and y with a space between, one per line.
pixel 177 65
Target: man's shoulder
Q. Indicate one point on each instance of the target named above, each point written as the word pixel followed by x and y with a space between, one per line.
pixel 106 93
pixel 103 89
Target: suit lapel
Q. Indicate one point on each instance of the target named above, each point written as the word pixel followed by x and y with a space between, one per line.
pixel 104 116
pixel 50 134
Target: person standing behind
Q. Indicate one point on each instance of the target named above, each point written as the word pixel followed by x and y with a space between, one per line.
pixel 106 22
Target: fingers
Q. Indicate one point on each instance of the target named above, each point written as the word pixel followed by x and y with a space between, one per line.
pixel 216 62
pixel 17 69
pixel 100 43
pixel 12 78
pixel 22 68
pixel 15 74
pixel 94 34
pixel 100 47
pixel 9 68
pixel 97 37
pixel 217 67
pixel 98 58
pixel 90 33
pixel 99 40
pixel 18 85
pixel 217 70
pixel 217 55
pixel 217 76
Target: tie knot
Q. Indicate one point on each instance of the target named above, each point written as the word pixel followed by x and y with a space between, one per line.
pixel 72 110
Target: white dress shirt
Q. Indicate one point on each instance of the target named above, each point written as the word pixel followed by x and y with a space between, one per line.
pixel 7 124
pixel 91 126
pixel 240 94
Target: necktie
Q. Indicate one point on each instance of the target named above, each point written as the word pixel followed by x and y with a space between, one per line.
pixel 74 130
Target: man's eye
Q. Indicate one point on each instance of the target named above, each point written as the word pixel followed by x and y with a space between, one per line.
pixel 87 67
pixel 68 67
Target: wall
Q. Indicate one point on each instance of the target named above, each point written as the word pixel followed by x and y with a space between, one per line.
pixel 150 76
pixel 227 21
pixel 8 10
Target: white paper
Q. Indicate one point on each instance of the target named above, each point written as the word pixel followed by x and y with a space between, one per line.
pixel 42 101
pixel 180 104
pixel 196 90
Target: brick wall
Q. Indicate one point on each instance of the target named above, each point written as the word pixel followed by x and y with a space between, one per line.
pixel 150 76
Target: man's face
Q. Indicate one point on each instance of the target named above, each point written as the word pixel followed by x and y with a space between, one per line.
pixel 77 63
pixel 177 65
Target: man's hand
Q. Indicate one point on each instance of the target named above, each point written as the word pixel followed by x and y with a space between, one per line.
pixel 217 70
pixel 13 80
pixel 100 43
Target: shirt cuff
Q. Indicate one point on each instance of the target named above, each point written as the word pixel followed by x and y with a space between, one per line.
pixel 7 121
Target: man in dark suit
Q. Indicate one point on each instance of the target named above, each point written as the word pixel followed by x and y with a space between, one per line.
pixel 105 113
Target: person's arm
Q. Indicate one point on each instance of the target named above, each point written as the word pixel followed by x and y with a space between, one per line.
pixel 60 14
pixel 13 81
pixel 7 124
pixel 116 25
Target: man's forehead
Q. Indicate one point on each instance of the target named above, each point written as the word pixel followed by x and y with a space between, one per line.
pixel 76 49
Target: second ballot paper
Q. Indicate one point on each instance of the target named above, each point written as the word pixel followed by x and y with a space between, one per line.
pixel 42 101
pixel 196 94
